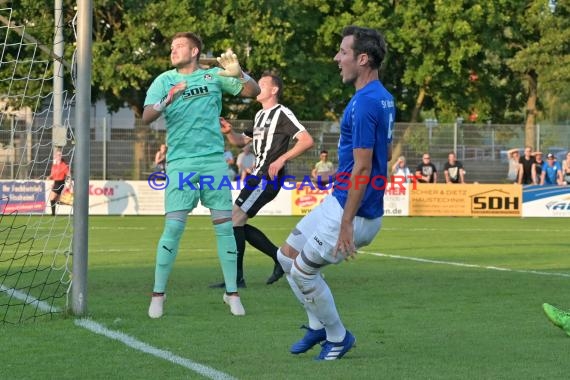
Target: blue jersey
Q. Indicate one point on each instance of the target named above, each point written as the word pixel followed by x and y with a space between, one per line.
pixel 367 123
pixel 551 173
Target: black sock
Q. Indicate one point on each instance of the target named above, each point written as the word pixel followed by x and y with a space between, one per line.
pixel 258 240
pixel 52 203
pixel 239 235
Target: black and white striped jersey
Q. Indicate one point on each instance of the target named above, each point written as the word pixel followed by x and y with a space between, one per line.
pixel 272 131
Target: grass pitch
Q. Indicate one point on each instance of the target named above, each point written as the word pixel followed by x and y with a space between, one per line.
pixel 431 298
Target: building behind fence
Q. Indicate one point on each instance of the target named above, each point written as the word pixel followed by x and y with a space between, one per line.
pixel 481 148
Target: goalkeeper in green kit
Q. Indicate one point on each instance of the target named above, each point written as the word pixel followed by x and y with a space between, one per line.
pixel 190 99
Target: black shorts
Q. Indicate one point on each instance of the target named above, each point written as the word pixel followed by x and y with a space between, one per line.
pixel 256 193
pixel 58 186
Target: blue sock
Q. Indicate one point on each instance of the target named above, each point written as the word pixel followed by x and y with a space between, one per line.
pixel 166 252
pixel 227 252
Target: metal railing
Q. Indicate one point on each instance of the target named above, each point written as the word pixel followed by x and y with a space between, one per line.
pixel 481 148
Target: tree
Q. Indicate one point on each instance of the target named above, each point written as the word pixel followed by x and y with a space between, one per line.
pixel 541 56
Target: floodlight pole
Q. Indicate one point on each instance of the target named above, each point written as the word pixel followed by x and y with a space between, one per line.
pixel 81 162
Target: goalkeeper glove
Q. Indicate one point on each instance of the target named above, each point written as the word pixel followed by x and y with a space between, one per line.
pixel 172 95
pixel 231 66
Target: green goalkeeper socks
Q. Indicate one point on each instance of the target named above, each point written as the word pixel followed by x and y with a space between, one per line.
pixel 227 252
pixel 166 253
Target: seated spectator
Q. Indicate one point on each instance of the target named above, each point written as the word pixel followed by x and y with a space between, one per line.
pixel 566 170
pixel 551 172
pixel 453 170
pixel 426 172
pixel 323 172
pixel 527 162
pixel 514 165
pixel 245 162
pixel 538 162
pixel 160 159
pixel 401 170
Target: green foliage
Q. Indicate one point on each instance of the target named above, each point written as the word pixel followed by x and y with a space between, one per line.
pixel 466 56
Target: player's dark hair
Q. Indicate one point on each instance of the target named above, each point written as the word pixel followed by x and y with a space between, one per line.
pixel 276 80
pixel 193 37
pixel 369 42
pixel 324 151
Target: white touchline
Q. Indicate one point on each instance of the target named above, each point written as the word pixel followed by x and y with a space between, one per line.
pixel 98 328
pixel 555 274
pixel 143 347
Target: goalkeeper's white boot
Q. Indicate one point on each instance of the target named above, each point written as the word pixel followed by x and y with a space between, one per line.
pixel 234 303
pixel 156 308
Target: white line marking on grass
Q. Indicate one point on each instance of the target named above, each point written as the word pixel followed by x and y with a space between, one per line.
pixel 98 328
pixel 42 305
pixel 418 259
pixel 143 347
pixel 473 229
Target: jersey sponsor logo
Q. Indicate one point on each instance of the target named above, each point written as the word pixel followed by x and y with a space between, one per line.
pixel 196 91
pixel 207 77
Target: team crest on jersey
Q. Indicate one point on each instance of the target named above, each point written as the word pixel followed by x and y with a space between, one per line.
pixel 207 77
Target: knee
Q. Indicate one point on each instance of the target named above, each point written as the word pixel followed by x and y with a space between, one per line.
pixel 305 282
pixel 173 229
pixel 285 260
pixel 224 229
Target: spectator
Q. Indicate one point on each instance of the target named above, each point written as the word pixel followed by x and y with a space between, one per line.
pixel 514 165
pixel 323 171
pixel 160 159
pixel 426 171
pixel 538 162
pixel 566 170
pixel 401 170
pixel 245 162
pixel 453 170
pixel 551 172
pixel 527 164
pixel 232 167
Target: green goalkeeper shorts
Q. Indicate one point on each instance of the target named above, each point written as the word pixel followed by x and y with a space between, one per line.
pixel 198 178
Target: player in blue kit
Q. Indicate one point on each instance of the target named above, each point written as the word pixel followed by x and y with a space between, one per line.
pixel 351 216
pixel 190 99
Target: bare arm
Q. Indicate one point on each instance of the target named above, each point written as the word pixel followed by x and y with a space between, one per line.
pixel 304 142
pixel 511 151
pixel 149 115
pixel 250 88
pixel 362 167
pixel 238 139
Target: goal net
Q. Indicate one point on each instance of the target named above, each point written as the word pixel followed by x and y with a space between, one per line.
pixel 35 247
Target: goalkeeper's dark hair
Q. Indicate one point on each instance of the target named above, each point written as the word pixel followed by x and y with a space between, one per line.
pixel 276 80
pixel 196 40
pixel 369 42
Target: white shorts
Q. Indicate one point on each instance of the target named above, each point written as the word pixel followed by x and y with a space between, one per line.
pixel 321 227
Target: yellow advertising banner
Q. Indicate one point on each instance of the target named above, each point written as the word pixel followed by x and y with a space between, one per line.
pixel 466 200
pixel 305 197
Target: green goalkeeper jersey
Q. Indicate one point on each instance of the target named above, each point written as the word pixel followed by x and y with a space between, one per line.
pixel 192 120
